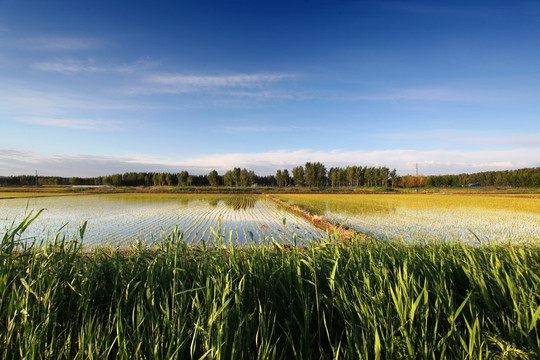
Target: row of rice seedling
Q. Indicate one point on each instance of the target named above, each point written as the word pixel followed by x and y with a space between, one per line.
pixel 327 300
pixel 430 217
pixel 119 218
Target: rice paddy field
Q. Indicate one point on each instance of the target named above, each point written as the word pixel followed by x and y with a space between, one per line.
pixel 120 218
pixel 259 297
pixel 424 217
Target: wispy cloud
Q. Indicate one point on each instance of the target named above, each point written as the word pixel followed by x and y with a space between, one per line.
pixel 234 85
pixel 29 103
pixel 427 94
pixel 85 124
pixel 68 66
pixel 25 102
pixel 257 128
pixel 280 94
pixel 240 80
pixel 17 161
pixel 72 66
pixel 56 43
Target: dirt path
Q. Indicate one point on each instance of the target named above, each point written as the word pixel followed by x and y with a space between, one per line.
pixel 321 222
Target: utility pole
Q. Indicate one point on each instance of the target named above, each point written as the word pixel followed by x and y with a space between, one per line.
pixel 36 178
pixel 416 169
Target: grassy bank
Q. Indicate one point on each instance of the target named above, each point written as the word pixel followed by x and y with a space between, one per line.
pixel 321 222
pixel 329 299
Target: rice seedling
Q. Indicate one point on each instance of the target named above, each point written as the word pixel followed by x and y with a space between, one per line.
pixel 430 217
pixel 119 218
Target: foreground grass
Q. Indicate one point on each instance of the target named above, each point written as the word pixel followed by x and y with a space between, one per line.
pixel 367 300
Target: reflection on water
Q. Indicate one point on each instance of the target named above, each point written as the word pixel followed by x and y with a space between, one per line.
pixel 212 201
pixel 234 202
pixel 124 217
pixel 239 202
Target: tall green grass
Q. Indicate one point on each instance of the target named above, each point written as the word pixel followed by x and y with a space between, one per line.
pixel 328 300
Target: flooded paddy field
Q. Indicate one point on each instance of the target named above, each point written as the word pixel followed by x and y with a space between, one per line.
pixel 429 217
pixel 121 218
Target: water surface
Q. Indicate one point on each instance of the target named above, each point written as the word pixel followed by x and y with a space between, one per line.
pixel 121 218
pixel 423 217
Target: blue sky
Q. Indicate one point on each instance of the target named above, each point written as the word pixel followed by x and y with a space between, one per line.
pixel 92 88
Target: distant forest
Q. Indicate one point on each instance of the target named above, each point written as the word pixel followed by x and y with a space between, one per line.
pixel 310 175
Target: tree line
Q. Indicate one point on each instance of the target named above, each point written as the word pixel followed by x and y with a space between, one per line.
pixel 528 177
pixel 312 174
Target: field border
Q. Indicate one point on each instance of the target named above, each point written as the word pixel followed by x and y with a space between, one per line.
pixel 321 222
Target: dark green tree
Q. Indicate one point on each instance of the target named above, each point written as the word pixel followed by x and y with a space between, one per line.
pixel 252 177
pixel 244 178
pixel 228 178
pixel 279 178
pixel 298 176
pixel 183 178
pixel 315 174
pixel 236 176
pixel 213 178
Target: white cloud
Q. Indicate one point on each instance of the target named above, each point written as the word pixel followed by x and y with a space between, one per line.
pixel 238 85
pixel 258 128
pixel 430 162
pixel 16 161
pixel 429 94
pixel 72 66
pixel 68 66
pixel 29 103
pixel 85 124
pixel 451 136
pixel 24 102
pixel 239 80
pixel 56 43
